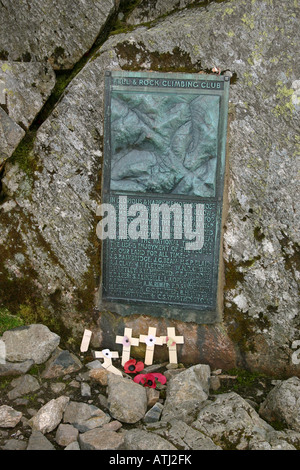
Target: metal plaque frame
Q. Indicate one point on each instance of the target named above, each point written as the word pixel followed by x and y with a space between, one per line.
pixel 125 302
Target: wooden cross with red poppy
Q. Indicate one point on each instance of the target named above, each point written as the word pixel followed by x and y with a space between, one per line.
pixel 151 340
pixel 171 341
pixel 127 342
pixel 108 355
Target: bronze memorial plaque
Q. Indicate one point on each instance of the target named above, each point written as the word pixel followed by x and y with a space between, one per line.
pixel 162 193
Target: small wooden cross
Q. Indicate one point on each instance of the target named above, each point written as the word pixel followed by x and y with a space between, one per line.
pixel 171 341
pixel 151 340
pixel 108 355
pixel 127 342
pixel 87 334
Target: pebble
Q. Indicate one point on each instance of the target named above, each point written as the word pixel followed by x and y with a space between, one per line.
pixel 85 390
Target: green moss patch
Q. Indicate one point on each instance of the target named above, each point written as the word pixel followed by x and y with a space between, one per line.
pixel 8 321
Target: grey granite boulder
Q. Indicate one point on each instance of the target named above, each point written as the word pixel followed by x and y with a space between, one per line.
pixel 283 404
pixel 84 417
pixel 185 392
pixel 61 363
pixel 66 434
pixel 34 342
pixel 127 400
pixel 100 439
pixel 9 417
pixel 50 415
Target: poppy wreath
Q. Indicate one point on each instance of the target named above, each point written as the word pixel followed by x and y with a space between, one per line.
pixel 150 380
pixel 132 366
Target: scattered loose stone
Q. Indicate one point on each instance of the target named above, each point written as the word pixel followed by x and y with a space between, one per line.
pixel 100 439
pixel 66 434
pixel 152 396
pixel 60 364
pixel 215 383
pixel 9 417
pixel 154 368
pixel 85 390
pixel 57 387
pixel 22 386
pixel 34 342
pixel 50 415
pixel 74 384
pixel 73 446
pixel 94 364
pixel 15 444
pixel 103 401
pixel 112 426
pixel 38 441
pixel 84 417
pixel 127 401
pixel 99 375
pixel 153 415
pixel 15 368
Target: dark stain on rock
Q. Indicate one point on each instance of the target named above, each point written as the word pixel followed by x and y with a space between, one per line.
pixel 175 61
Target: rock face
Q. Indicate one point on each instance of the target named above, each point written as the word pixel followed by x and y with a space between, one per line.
pixel 24 88
pixel 55 248
pixel 60 31
pixel 143 14
pixel 234 421
pixel 183 436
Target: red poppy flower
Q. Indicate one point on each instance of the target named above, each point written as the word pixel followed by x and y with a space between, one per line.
pixel 131 366
pixel 150 380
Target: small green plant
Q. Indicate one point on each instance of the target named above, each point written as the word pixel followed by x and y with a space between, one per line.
pixel 8 321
